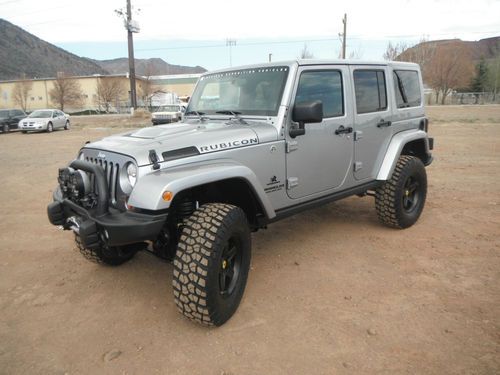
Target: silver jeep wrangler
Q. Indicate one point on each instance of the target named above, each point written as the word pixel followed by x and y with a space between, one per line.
pixel 257 144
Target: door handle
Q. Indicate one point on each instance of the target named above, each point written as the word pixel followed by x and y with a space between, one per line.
pixel 343 130
pixel 384 124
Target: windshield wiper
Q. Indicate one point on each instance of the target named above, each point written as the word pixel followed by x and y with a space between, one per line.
pixel 227 112
pixel 196 113
pixel 235 114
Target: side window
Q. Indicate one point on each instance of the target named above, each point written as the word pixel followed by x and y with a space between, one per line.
pixel 407 88
pixel 54 114
pixel 323 85
pixel 371 93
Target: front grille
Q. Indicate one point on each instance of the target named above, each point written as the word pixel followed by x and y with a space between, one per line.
pixel 111 171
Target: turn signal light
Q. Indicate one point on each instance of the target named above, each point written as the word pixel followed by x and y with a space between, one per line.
pixel 167 196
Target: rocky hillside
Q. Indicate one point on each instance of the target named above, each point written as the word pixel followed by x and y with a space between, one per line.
pixel 147 67
pixel 22 53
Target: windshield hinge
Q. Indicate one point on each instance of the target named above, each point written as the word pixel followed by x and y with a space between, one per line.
pixel 291 182
pixel 292 146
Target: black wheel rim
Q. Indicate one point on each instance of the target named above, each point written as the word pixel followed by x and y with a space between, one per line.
pixel 230 267
pixel 411 194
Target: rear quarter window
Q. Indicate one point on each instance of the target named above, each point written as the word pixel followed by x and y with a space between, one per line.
pixel 407 88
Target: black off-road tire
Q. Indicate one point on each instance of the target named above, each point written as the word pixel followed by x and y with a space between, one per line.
pixel 211 264
pixel 401 199
pixel 112 256
pixel 50 128
pixel 66 126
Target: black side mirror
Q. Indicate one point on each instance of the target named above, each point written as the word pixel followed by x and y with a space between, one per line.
pixel 307 112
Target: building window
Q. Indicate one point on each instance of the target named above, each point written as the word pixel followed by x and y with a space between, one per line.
pixel 40 98
pixel 32 98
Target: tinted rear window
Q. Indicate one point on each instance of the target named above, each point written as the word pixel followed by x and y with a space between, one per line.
pixel 407 88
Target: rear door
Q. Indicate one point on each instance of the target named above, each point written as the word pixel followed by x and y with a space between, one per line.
pixel 320 159
pixel 372 119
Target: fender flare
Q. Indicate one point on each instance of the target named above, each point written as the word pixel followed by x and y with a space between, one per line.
pixel 396 145
pixel 147 194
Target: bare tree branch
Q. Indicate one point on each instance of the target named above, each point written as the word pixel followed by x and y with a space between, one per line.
pixel 305 53
pixel 109 90
pixel 20 93
pixel 66 92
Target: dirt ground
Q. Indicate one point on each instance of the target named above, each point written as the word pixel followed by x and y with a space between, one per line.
pixel 331 291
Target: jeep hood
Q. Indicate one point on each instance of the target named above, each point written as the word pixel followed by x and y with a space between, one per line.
pixel 206 137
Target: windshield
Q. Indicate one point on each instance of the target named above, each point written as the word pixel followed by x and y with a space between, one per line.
pixel 41 114
pixel 249 92
pixel 168 108
pixel 4 113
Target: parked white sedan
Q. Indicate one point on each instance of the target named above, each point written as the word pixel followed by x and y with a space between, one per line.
pixel 45 120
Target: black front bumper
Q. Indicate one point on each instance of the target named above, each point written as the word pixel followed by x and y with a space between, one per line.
pixel 103 224
pixel 163 121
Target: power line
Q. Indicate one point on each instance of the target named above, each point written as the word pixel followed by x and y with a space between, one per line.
pixel 239 44
pixel 355 37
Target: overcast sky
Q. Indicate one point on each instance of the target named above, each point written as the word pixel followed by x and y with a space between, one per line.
pixel 194 32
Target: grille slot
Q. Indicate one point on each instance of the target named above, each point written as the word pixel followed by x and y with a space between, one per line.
pixel 111 172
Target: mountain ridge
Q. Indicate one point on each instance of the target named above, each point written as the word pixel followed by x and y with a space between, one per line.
pixel 24 55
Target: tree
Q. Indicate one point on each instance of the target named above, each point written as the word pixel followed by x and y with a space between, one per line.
pixel 20 93
pixel 449 68
pixel 66 92
pixel 422 54
pixel 147 86
pixel 493 82
pixel 305 53
pixel 480 80
pixel 109 90
pixel 393 52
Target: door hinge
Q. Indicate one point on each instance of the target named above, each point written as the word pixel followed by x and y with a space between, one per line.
pixel 358 166
pixel 291 146
pixel 291 182
pixel 358 134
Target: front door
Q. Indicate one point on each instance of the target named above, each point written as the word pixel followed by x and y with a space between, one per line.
pixel 320 159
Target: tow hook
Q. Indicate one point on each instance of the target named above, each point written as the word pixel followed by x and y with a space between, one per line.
pixel 74 224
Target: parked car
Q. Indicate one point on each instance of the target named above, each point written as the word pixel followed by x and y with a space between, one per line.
pixel 45 120
pixel 9 119
pixel 166 114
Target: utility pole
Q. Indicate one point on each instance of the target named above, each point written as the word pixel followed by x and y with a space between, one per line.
pixel 344 21
pixel 270 56
pixel 132 27
pixel 131 60
pixel 230 43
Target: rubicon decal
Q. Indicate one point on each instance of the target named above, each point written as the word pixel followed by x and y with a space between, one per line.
pixel 226 145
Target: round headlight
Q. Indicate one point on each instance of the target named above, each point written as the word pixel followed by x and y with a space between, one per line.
pixel 132 173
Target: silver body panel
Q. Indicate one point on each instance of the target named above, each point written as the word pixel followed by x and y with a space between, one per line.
pixel 281 171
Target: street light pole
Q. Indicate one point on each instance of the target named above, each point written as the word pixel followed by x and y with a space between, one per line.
pixel 230 43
